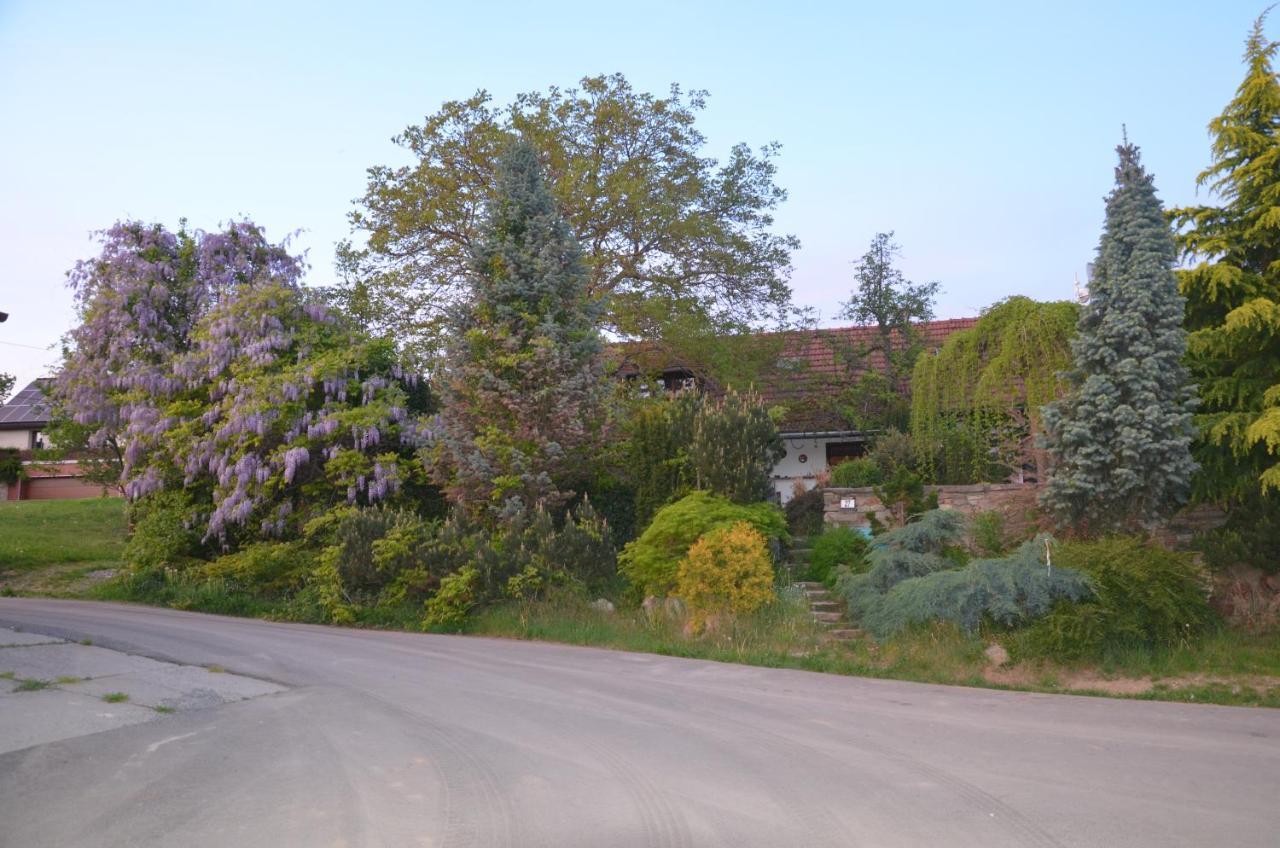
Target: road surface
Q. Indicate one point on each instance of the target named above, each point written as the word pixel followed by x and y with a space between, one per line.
pixel 400 739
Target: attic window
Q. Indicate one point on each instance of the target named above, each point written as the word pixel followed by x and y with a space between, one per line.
pixel 678 379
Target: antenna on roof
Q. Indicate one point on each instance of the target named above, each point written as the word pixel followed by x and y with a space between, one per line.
pixel 1082 292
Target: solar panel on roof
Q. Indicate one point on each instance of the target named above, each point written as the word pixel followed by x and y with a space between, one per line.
pixel 27 408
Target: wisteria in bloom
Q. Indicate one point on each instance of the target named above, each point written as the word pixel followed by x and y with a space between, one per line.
pixel 302 415
pixel 139 301
pixel 207 360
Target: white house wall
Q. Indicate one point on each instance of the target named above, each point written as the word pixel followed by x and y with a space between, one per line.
pixel 20 439
pixel 791 470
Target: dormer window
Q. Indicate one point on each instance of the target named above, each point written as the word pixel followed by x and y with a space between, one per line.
pixel 678 379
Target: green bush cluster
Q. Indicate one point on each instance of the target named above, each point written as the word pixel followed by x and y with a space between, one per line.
pixel 856 473
pixel 726 572
pixel 162 535
pixel 726 445
pixel 1143 595
pixel 650 562
pixel 10 465
pixel 839 547
pixel 805 513
pixel 914 579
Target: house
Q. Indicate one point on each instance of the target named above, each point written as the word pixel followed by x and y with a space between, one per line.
pixel 23 421
pixel 811 374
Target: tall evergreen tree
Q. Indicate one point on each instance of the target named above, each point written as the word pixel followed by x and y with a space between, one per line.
pixel 1233 293
pixel 1121 436
pixel 521 385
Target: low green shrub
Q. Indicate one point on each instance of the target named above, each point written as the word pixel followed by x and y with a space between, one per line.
pixel 162 535
pixel 915 577
pixel 448 608
pixel 902 492
pixel 805 513
pixel 726 572
pixel 856 473
pixel 987 530
pixel 650 562
pixel 10 466
pixel 1250 536
pixel 1144 595
pixel 838 547
pixel 1008 592
pixel 891 451
pixel 263 566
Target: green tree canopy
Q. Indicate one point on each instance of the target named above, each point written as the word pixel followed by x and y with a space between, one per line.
pixel 665 230
pixel 1120 437
pixel 1233 290
pixel 521 384
pixel 887 300
pixel 975 404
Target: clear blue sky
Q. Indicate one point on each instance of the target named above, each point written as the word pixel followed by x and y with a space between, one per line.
pixel 982 133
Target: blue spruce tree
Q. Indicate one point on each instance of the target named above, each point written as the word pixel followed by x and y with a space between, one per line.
pixel 521 383
pixel 1120 437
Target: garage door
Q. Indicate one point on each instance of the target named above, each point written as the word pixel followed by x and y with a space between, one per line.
pixel 55 488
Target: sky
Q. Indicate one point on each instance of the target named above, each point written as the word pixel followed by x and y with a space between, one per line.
pixel 983 134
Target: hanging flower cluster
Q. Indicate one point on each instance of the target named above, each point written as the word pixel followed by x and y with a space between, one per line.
pixel 202 355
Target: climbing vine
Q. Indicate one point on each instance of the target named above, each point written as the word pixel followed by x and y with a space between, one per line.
pixel 975 405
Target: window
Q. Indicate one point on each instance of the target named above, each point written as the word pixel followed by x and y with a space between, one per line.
pixel 838 452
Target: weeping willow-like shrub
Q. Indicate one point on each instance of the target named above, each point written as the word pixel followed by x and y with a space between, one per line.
pixel 911 581
pixel 975 404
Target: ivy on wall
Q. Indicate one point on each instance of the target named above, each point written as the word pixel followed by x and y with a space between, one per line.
pixel 975 404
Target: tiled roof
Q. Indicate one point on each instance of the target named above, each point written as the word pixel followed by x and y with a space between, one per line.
pixel 813 368
pixel 27 409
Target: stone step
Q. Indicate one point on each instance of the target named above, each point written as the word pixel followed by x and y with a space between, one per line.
pixel 811 584
pixel 824 606
pixel 827 617
pixel 817 593
pixel 846 634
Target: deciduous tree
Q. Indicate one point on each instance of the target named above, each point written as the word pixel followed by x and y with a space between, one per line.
pixel 887 300
pixel 666 231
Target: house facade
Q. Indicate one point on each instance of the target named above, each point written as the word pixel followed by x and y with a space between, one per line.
pixel 812 377
pixel 23 421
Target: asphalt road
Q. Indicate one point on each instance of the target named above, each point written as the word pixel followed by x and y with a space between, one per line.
pixel 398 739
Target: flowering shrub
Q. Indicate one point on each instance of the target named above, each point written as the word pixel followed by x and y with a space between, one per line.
pixel 727 571
pixel 205 363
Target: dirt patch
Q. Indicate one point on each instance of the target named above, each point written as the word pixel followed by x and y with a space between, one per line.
pixel 1030 677
pixel 65 579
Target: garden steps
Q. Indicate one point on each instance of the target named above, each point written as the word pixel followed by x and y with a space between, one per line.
pixel 828 610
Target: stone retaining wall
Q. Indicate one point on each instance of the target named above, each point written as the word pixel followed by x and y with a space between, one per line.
pixel 1015 501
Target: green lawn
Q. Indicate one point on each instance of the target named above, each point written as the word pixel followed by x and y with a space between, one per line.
pixel 35 534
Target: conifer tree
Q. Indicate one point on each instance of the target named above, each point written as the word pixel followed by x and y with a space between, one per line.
pixel 521 385
pixel 1121 436
pixel 1233 293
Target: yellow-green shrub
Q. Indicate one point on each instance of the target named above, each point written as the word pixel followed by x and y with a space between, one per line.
pixel 727 571
pixel 650 562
